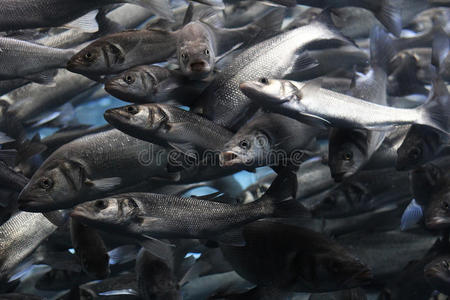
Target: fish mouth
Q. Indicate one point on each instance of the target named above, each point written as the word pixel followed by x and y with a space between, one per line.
pixel 251 89
pixel 437 223
pixel 73 65
pixel 41 203
pixel 115 116
pixel 230 158
pixel 199 66
pixel 79 212
pixel 432 272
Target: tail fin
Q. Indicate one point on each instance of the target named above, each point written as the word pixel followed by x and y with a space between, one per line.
pixel 160 7
pixel 382 49
pixel 290 209
pixel 436 111
pixel 389 15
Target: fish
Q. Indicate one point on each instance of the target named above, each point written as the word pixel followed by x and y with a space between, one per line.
pixel 225 104
pixel 138 214
pixel 350 149
pixel 155 277
pixel 365 191
pixel 22 15
pixel 309 102
pixel 37 63
pixel 268 140
pixel 70 176
pixel 149 84
pixel 90 249
pixel 436 273
pixel 169 126
pixel 201 43
pixel 387 12
pixel 117 52
pixel 20 235
pixel 321 265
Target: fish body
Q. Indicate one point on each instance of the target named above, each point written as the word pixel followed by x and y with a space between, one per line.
pixel 114 53
pixel 225 104
pixel 69 175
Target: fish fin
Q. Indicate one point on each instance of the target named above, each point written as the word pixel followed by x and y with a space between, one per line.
pixel 157 247
pixel 45 78
pixel 232 237
pixel 87 22
pixel 324 19
pixel 122 254
pixel 382 49
pixel 290 209
pixel 389 15
pixel 283 186
pixel 411 216
pixel 104 184
pixel 160 7
pixel 4 138
pixel 435 112
pixel 226 53
pixel 193 272
pixel 189 15
pixel 303 62
pixel 440 49
pixel 187 149
pixel 8 156
pixel 271 22
pixel 58 217
pixel 208 196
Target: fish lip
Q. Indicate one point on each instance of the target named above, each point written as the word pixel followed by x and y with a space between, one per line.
pixel 250 88
pixel 113 116
pixel 431 272
pixel 79 212
pixel 202 64
pixel 229 158
pixel 437 223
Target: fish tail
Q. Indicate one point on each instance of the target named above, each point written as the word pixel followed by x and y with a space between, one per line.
pixel 435 112
pixel 290 209
pixel 411 216
pixel 382 49
pixel 160 7
pixel 389 15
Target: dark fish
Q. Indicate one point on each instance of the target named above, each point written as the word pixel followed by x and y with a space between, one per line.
pixel 146 84
pixel 36 62
pixel 114 53
pixel 168 125
pixel 20 14
pixel 90 249
pixel 166 216
pixel 268 139
pixel 295 259
pixel 89 167
pixel 436 273
pixel 155 277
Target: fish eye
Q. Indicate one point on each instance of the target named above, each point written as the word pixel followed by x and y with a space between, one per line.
pixel 347 155
pixel 184 56
pixel 445 264
pixel 132 110
pixel 88 55
pixel 244 144
pixel 128 79
pixel 264 80
pixel 46 183
pixel 206 52
pixel 101 204
pixel 415 153
pixel 444 205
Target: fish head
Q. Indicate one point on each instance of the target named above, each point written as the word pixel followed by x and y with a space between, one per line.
pixel 111 212
pixel 339 270
pixel 196 59
pixel 55 185
pixel 249 149
pixel 148 117
pixel 417 148
pixel 437 214
pixel 270 91
pixel 344 160
pixel 98 58
pixel 437 273
pixel 132 85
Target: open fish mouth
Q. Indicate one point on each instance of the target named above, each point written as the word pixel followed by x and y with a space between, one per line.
pixel 230 158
